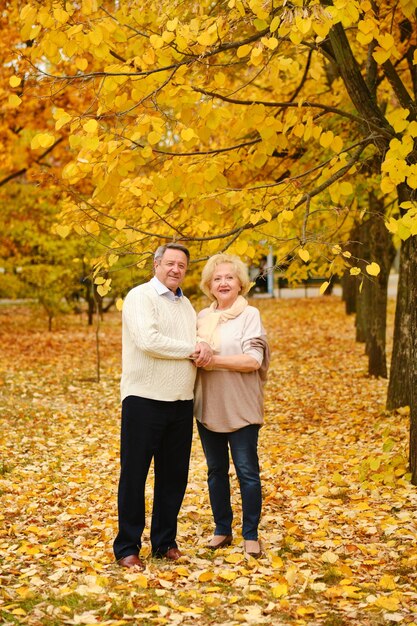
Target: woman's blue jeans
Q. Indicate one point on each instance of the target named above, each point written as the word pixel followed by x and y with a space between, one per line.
pixel 243 445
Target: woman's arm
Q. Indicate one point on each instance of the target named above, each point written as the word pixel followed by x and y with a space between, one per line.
pixel 234 363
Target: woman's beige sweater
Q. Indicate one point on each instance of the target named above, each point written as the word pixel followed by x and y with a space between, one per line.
pixel 225 401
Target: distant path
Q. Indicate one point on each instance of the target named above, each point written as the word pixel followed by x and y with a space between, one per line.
pixel 311 292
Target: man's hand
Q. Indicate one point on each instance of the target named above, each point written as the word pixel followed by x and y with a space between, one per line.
pixel 202 354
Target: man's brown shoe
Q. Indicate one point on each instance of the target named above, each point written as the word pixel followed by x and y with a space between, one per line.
pixel 173 554
pixel 131 561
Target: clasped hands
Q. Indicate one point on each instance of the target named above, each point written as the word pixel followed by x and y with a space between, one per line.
pixel 202 354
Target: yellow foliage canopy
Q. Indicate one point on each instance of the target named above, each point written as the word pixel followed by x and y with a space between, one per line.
pixel 210 124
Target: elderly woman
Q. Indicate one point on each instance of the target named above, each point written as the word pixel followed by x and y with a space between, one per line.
pixel 229 397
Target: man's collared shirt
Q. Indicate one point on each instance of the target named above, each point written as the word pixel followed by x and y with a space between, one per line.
pixel 163 290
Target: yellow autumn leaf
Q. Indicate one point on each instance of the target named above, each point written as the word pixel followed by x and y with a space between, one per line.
pixel 234 558
pixel 380 55
pixel 274 23
pixel 337 144
pixel 204 226
pixel 387 582
pixel 187 134
pixel 89 6
pixel 14 81
pixel 103 290
pixel 208 38
pixel 81 63
pixel 280 590
pixel 137 578
pixel 321 28
pixel 373 269
pixel 227 575
pixel 390 603
pixel 241 247
pixel 172 24
pixel 154 137
pixel 92 227
pixel 168 36
pixel 364 38
pixel 386 41
pixel 63 119
pixel 14 101
pixel 156 41
pixel 346 188
pixel 271 43
pixel 63 230
pixel 323 287
pixel 305 610
pixel 304 254
pixel 42 140
pixel 329 557
pixel 296 36
pixel 243 51
pixel 60 15
pixel 286 215
pixel 303 24
pixel 392 225
pixel 96 36
pixel 120 224
pixel 91 126
pixel 182 571
pixel 354 271
pixel 326 139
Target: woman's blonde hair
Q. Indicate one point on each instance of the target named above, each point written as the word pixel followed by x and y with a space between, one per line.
pixel 239 268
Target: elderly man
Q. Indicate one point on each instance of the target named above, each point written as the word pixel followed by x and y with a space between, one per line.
pixel 160 353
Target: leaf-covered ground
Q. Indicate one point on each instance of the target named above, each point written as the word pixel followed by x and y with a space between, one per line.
pixel 339 519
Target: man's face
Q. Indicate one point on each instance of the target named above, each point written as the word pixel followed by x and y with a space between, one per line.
pixel 170 269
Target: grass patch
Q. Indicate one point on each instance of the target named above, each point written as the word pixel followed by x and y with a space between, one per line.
pixel 4 468
pixel 331 575
pixel 334 620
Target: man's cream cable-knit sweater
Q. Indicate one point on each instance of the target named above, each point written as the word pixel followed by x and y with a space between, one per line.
pixel 159 334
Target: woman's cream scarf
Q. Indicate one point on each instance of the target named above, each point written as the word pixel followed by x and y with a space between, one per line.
pixel 208 326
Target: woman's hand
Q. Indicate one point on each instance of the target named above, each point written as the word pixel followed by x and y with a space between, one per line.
pixel 202 354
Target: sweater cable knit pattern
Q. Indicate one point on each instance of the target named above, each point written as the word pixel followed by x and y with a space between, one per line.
pixel 159 334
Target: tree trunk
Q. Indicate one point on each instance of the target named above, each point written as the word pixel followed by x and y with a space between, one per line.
pixel 381 250
pixel 413 363
pixel 371 302
pixel 360 249
pixel 361 318
pixel 349 286
pixel 399 387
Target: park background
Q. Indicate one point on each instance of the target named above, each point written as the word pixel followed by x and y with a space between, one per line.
pixel 284 132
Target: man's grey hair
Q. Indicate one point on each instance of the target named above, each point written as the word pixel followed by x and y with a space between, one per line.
pixel 171 246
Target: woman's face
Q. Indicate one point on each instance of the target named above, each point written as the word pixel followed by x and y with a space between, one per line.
pixel 225 285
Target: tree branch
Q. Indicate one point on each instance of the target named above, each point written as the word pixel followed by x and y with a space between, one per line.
pixel 401 92
pixel 356 85
pixel 305 104
pixel 22 171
